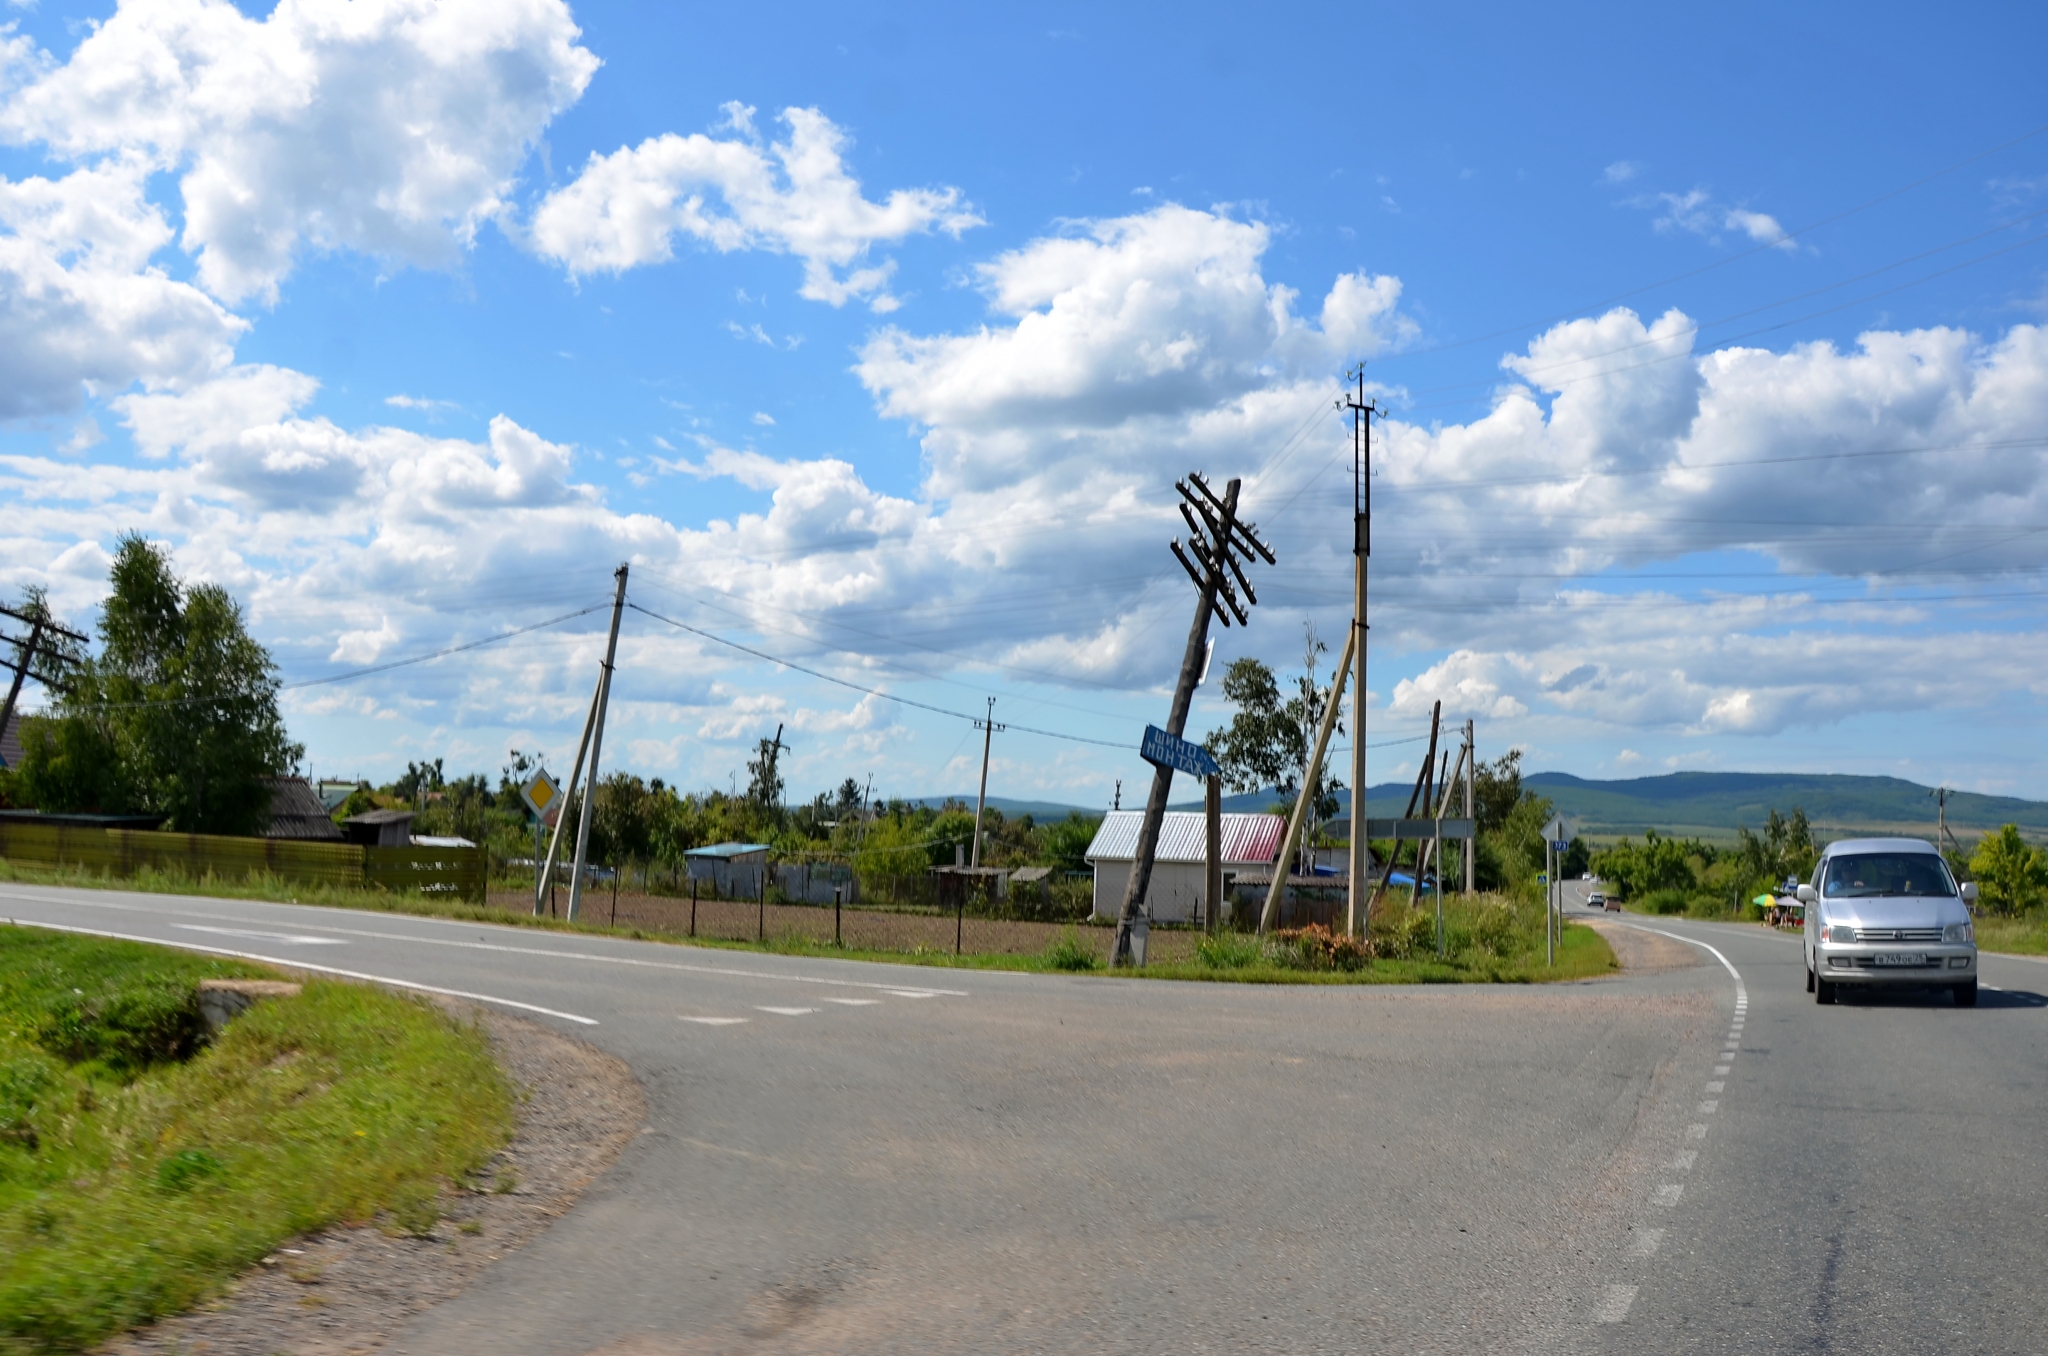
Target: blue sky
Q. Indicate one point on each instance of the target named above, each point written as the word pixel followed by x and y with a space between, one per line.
pixel 874 339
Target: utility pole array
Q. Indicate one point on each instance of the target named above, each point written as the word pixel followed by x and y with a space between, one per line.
pixel 1216 541
pixel 590 744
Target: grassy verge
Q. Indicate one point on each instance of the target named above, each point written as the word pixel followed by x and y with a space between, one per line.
pixel 2026 935
pixel 1489 939
pixel 141 1168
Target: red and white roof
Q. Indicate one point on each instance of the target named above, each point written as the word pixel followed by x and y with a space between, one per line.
pixel 1248 840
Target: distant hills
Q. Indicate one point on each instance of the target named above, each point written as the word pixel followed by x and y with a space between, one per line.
pixel 1712 805
pixel 1707 805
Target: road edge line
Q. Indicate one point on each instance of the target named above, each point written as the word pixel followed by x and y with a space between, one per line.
pixel 318 969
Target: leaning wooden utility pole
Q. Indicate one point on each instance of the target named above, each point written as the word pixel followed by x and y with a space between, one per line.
pixel 1362 411
pixel 1216 540
pixel 988 730
pixel 604 695
pixel 1299 814
pixel 26 652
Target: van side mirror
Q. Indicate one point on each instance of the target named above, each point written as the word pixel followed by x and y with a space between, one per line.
pixel 1807 894
pixel 1969 892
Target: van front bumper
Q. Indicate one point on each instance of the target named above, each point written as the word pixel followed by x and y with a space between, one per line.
pixel 1945 963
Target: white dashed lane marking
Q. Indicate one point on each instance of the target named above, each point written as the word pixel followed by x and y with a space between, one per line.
pixel 716 1021
pixel 1614 1301
pixel 288 938
pixel 1614 1304
pixel 854 1002
pixel 785 1012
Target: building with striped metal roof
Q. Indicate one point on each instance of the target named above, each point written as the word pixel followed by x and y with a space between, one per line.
pixel 1250 842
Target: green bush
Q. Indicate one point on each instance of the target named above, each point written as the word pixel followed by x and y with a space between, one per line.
pixel 127 1029
pixel 1667 902
pixel 1315 947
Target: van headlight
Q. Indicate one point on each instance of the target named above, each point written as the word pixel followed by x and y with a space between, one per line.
pixel 1959 932
pixel 1839 933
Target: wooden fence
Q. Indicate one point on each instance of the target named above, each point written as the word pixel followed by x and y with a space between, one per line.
pixel 123 852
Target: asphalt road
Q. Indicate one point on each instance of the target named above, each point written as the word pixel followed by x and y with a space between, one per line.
pixel 847 1157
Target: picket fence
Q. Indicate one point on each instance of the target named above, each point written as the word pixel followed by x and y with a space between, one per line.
pixel 457 871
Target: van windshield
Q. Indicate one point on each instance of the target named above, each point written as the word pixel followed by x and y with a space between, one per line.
pixel 1888 873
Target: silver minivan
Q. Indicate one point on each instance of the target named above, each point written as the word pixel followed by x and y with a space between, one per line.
pixel 1887 911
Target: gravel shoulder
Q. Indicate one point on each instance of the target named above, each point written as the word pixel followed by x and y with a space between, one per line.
pixel 349 1290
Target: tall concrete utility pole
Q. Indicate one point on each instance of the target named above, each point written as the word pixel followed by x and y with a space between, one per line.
pixel 1215 541
pixel 1362 411
pixel 604 696
pixel 988 730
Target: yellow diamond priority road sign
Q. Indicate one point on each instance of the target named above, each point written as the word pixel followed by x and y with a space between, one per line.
pixel 541 792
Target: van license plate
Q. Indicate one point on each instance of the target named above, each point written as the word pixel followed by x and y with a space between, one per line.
pixel 1900 958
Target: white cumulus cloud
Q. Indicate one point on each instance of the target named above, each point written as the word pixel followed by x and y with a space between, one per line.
pixel 391 127
pixel 793 196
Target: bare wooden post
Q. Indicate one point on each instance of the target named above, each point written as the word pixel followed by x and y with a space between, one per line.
pixel 1213 878
pixel 1271 913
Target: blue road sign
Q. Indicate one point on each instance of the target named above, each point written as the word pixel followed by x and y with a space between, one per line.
pixel 1164 750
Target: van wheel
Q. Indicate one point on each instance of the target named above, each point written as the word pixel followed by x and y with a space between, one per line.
pixel 1823 991
pixel 1966 994
pixel 1809 981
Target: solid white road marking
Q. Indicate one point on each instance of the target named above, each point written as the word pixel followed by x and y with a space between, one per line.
pixel 1614 1304
pixel 1647 1242
pixel 66 900
pixel 1668 1194
pixel 785 1012
pixel 317 969
pixel 716 1021
pixel 854 1002
pixel 1686 1158
pixel 287 938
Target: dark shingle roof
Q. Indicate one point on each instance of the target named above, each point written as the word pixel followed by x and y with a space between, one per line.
pixel 296 812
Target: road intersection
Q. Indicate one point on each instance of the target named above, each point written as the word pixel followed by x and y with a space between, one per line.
pixel 840 1156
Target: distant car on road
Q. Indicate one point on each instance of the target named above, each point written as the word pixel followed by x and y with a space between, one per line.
pixel 1596 900
pixel 1886 911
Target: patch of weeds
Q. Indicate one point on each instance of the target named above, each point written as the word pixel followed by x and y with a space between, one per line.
pixel 187 1169
pixel 1069 952
pixel 1315 947
pixel 1230 951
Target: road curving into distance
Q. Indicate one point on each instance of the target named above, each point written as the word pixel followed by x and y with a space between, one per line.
pixel 854 1157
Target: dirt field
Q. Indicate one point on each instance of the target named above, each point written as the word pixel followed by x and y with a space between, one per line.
pixel 863 929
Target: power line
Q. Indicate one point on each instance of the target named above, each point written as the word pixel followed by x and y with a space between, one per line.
pixel 871 691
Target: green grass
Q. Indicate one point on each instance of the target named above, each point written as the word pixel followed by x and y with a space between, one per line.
pixel 142 1169
pixel 1490 940
pixel 2026 935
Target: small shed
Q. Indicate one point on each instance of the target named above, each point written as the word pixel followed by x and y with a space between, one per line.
pixel 296 812
pixel 379 828
pixel 1250 842
pixel 734 870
